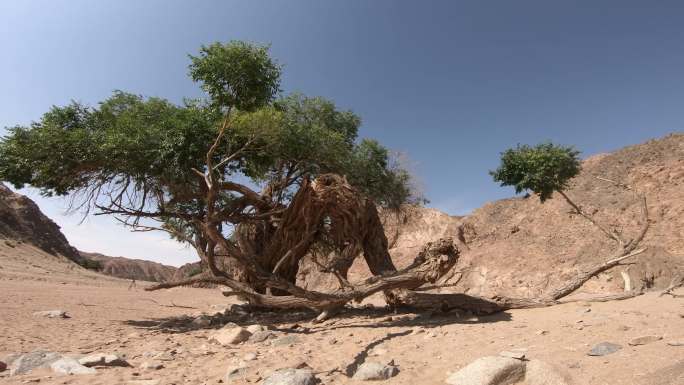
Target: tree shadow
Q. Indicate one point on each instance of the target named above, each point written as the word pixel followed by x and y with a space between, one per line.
pixel 300 320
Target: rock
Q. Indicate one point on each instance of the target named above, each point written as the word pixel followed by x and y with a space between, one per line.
pixel 261 336
pixel 144 382
pixel 3 366
pixel 29 361
pixel 67 365
pixel 676 343
pixel 202 321
pixel 643 340
pixel 286 341
pixel 51 314
pixel 230 336
pixel 373 371
pixel 489 371
pixel 250 357
pixel 518 355
pixel 542 332
pixel 540 373
pixel 236 372
pixel 291 377
pixel 103 360
pixel 604 348
pixel 256 328
pixel 150 365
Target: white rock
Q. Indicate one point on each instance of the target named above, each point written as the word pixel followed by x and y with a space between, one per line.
pixel 230 336
pixel 373 371
pixel 250 357
pixel 291 377
pixel 29 361
pixel 51 314
pixel 540 373
pixel 256 328
pixel 150 365
pixel 102 360
pixel 489 371
pixel 67 365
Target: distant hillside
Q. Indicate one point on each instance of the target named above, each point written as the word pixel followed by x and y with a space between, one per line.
pixel 128 268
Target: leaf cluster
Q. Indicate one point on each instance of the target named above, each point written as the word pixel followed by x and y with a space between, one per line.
pixel 543 168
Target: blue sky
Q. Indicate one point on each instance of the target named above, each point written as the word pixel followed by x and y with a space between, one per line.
pixel 449 83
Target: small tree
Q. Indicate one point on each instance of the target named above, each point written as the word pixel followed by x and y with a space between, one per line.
pixel 543 169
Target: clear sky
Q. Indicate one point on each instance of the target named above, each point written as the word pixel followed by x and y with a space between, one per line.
pixel 450 83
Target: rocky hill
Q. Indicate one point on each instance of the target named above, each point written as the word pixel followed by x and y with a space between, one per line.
pixel 22 221
pixel 129 268
pixel 23 224
pixel 520 246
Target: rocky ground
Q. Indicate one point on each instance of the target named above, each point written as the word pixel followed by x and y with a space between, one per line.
pixel 162 338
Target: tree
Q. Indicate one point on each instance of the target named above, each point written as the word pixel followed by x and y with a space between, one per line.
pixel 254 181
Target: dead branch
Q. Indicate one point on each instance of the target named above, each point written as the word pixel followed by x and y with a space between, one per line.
pixel 675 284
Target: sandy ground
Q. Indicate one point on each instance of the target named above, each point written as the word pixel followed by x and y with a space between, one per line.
pixel 107 317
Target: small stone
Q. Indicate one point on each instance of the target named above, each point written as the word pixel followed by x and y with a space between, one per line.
pixel 250 357
pixel 291 377
pixel 286 341
pixel 202 321
pixel 604 348
pixel 66 365
pixel 417 331
pixel 144 382
pixel 373 371
pixel 517 355
pixel 256 328
pixel 51 314
pixel 676 343
pixel 230 336
pixel 332 341
pixel 236 372
pixel 103 360
pixel 644 340
pixel 151 365
pixel 261 336
pixel 489 371
pixel 542 332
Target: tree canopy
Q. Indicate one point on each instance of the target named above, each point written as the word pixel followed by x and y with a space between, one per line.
pixel 543 168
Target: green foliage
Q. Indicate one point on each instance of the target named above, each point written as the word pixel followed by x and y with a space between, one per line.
pixel 143 154
pixel 237 74
pixel 543 169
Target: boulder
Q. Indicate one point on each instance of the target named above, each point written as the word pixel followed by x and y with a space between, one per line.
pixel 540 373
pixel 67 365
pixel 291 377
pixel 373 371
pixel 29 361
pixel 230 336
pixel 102 360
pixel 489 371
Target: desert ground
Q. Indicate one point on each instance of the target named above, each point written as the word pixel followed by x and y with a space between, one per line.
pixel 156 328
